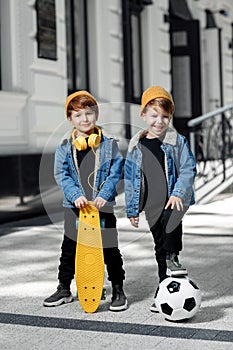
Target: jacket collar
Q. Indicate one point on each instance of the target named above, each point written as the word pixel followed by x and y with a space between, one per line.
pixel 169 138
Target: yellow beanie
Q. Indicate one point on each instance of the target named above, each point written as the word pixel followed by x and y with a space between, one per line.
pixel 75 94
pixel 154 92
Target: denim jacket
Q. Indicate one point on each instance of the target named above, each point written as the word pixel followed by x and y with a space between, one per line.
pixel 180 169
pixel 108 165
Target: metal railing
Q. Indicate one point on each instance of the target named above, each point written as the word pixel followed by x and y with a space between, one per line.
pixel 211 140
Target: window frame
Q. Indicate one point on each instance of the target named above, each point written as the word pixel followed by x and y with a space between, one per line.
pixel 72 38
pixel 132 8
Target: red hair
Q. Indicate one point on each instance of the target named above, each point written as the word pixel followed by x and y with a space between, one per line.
pixel 163 103
pixel 82 102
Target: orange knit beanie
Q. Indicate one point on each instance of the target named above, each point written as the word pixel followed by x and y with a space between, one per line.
pixel 154 92
pixel 75 94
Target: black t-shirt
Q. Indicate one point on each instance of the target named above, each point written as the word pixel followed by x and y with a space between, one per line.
pixel 153 162
pixel 86 164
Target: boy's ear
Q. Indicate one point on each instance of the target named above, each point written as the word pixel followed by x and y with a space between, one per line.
pixel 143 116
pixel 70 120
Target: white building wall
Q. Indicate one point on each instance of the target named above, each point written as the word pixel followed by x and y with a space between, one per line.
pixel 34 89
pixel 13 100
pixel 155 54
pixel 156 45
pixel 105 48
pixel 49 86
pixel 224 22
pixel 106 63
pixel 39 86
pixel 210 53
pixel 227 59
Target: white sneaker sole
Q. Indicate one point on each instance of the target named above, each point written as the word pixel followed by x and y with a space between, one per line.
pixel 177 272
pixel 119 308
pixel 65 300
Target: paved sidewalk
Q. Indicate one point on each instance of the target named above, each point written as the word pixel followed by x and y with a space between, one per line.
pixel 29 256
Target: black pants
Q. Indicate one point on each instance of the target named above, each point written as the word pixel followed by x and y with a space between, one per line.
pixel 167 234
pixel 112 255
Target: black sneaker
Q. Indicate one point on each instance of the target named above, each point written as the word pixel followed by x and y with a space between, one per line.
pixel 61 296
pixel 119 301
pixel 174 267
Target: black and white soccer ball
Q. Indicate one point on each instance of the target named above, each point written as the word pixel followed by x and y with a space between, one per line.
pixel 178 298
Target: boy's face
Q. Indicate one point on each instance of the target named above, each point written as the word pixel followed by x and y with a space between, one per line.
pixel 84 120
pixel 157 120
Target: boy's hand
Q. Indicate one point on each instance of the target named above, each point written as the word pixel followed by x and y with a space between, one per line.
pixel 81 202
pixel 99 202
pixel 175 202
pixel 134 221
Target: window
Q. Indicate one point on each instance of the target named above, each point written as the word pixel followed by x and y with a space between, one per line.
pixel 46 29
pixel 133 73
pixel 136 55
pixel 77 45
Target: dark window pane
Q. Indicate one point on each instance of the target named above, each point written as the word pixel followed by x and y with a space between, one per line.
pixel 46 29
pixel 136 55
pixel 76 38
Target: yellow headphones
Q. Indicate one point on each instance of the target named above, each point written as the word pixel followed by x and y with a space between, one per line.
pixel 80 142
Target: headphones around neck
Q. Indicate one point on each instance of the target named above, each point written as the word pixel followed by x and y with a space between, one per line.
pixel 81 143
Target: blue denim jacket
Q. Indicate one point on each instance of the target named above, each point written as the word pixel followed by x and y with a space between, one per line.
pixel 180 169
pixel 108 165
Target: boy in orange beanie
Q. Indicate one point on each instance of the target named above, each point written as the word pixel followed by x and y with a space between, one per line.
pixel 88 167
pixel 159 175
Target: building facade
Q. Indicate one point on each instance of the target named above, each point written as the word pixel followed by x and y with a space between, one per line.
pixel 113 48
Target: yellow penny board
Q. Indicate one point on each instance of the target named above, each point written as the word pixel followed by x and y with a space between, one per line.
pixel 89 260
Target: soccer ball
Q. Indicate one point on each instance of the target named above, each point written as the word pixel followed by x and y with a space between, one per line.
pixel 178 298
